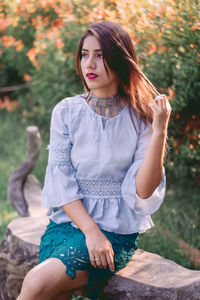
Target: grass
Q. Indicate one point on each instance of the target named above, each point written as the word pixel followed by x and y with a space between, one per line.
pixel 179 214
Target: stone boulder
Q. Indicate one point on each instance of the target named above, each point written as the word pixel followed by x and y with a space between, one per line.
pixel 150 276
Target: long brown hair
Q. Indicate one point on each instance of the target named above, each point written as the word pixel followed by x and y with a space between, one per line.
pixel 119 55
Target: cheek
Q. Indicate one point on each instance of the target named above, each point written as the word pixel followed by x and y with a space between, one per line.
pixel 111 76
pixel 82 67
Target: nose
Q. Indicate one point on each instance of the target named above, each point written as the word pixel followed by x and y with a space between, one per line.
pixel 91 63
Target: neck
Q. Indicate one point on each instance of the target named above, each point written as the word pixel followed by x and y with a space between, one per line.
pixel 91 95
pixel 104 93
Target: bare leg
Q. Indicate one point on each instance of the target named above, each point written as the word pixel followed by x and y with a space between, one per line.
pixel 64 296
pixel 49 279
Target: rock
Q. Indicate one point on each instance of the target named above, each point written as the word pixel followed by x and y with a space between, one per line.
pixel 18 177
pixel 19 253
pixel 150 276
pixel 32 194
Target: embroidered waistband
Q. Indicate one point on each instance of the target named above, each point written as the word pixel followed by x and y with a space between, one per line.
pixel 101 187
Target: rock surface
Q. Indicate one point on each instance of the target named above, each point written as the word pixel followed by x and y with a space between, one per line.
pixel 20 247
pixel 19 253
pixel 150 276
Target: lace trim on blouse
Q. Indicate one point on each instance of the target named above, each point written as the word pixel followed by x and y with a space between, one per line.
pixel 101 187
pixel 59 154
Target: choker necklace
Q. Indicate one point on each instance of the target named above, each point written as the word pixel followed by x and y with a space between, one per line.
pixel 107 107
pixel 104 102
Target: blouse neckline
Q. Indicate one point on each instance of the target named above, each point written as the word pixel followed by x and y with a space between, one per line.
pixel 102 117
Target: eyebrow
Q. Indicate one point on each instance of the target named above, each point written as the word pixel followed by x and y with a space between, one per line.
pixel 96 50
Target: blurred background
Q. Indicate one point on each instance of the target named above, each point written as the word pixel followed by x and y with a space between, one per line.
pixel 38 41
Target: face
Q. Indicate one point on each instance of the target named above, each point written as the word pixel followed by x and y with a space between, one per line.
pixel 101 83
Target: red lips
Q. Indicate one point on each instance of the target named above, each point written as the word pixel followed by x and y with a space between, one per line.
pixel 91 75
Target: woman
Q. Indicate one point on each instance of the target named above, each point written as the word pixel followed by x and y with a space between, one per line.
pixel 105 173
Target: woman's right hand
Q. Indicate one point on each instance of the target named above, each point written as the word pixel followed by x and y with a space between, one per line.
pixel 100 249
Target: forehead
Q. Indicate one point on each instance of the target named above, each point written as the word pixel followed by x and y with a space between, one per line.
pixel 91 43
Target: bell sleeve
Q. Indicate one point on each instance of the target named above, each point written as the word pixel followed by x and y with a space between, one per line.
pixel 151 204
pixel 60 185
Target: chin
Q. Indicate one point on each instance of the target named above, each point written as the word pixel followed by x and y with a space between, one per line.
pixel 93 86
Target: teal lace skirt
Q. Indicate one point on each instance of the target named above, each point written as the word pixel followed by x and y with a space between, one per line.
pixel 67 243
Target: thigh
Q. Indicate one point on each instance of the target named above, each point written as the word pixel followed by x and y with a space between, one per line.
pixel 67 295
pixel 53 272
pixel 67 244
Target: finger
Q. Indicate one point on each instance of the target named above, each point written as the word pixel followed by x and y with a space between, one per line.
pixel 156 101
pixel 168 106
pixel 164 101
pixel 92 259
pixel 97 261
pixel 159 100
pixel 154 107
pixel 110 260
pixel 103 260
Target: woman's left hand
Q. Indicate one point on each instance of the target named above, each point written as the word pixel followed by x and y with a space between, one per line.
pixel 161 113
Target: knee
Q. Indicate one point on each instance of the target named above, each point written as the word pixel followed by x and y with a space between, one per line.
pixel 34 283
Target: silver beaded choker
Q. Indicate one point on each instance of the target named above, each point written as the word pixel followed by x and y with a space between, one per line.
pixel 105 102
pixel 107 107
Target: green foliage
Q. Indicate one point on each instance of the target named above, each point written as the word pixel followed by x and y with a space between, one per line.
pixel 7 214
pixel 53 80
pixel 173 66
pixel 166 37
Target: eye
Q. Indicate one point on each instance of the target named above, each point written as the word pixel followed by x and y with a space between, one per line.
pixel 100 55
pixel 84 54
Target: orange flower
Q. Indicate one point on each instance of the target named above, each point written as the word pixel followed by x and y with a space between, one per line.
pixel 39 36
pixel 32 54
pixel 162 9
pixel 57 23
pixel 59 43
pixel 196 26
pixel 171 93
pixel 8 104
pixel 27 77
pixel 4 22
pixel 43 46
pixel 152 14
pixel 19 46
pixel 136 39
pixel 8 41
pixel 191 146
pixel 152 48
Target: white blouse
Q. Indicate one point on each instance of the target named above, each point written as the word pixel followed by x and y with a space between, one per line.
pixel 98 165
